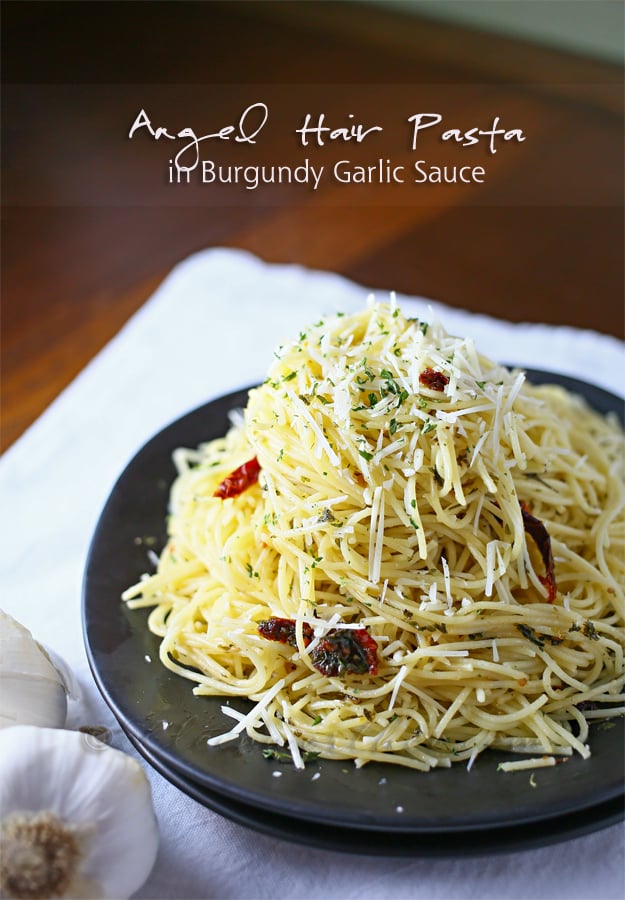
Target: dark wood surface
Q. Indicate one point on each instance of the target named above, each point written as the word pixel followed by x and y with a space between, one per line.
pixel 90 226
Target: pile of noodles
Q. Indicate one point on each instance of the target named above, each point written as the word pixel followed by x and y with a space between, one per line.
pixel 399 486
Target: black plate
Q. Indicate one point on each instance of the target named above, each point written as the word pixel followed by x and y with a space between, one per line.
pixel 158 710
pixel 478 842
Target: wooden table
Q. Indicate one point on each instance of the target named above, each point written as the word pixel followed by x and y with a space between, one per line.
pixel 91 224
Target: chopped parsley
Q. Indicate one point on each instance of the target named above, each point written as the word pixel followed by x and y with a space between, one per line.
pixel 539 638
pixel 285 756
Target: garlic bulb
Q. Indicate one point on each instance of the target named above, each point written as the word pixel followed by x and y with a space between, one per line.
pixel 77 817
pixel 33 691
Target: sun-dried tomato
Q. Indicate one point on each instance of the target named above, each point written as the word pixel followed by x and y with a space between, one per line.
pixel 283 630
pixel 433 379
pixel 239 480
pixel 535 528
pixel 339 652
pixel 346 652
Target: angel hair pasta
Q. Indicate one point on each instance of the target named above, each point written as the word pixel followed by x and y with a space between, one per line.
pixel 402 552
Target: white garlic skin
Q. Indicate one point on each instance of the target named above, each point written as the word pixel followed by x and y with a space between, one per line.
pixel 101 793
pixel 32 690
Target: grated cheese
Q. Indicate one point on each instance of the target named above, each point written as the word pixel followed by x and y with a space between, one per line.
pixel 447 580
pixel 396 685
pixel 249 720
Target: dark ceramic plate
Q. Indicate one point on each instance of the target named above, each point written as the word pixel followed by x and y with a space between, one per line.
pixel 477 842
pixel 158 710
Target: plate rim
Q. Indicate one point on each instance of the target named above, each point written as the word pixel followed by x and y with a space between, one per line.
pixel 340 839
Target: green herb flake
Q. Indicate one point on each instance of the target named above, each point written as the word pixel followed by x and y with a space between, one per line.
pixel 590 631
pixel 528 632
pixel 437 477
pixel 285 756
pixel 539 638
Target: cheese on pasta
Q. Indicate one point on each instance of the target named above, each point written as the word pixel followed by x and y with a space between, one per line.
pixel 396 463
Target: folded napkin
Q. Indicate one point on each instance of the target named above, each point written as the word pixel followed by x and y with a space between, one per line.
pixel 212 327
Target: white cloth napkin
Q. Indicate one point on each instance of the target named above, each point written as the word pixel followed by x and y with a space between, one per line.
pixel 210 328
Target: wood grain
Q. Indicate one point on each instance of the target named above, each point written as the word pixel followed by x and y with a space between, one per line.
pixel 89 226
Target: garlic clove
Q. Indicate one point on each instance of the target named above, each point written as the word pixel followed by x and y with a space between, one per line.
pixel 27 701
pixel 69 680
pixel 97 805
pixel 33 691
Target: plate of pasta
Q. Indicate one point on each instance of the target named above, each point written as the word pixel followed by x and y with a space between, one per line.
pixel 381 591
